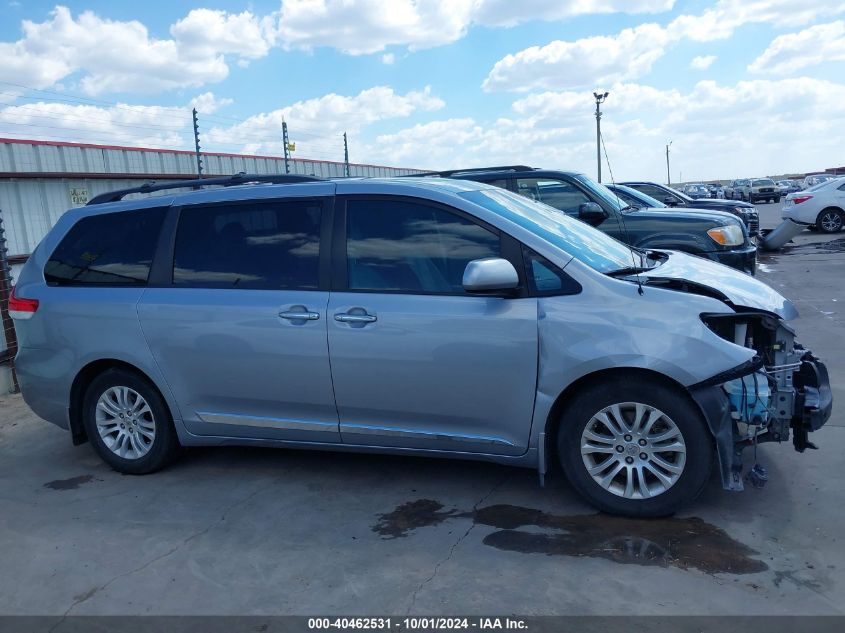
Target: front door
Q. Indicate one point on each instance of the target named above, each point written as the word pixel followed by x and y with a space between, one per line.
pixel 240 333
pixel 417 362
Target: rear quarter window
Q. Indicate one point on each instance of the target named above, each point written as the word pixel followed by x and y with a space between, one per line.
pixel 111 249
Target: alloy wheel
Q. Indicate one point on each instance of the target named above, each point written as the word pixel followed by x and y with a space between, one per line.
pixel 633 450
pixel 125 422
pixel 831 221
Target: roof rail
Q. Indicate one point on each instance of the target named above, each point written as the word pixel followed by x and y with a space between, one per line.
pixel 196 183
pixel 452 172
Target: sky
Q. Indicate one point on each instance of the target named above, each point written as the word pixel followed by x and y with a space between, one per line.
pixel 739 88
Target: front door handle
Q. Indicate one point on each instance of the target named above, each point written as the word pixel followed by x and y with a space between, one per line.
pixel 297 315
pixel 345 317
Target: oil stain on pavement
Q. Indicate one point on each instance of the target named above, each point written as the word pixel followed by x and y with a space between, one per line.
pixel 688 543
pixel 69 484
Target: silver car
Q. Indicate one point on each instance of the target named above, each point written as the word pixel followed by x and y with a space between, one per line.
pixel 414 316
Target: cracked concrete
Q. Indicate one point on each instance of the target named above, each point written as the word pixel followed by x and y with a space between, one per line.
pixel 232 531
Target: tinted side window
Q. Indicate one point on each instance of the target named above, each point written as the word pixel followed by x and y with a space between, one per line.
pixel 402 246
pixel 267 246
pixel 544 278
pixel 555 193
pixel 112 249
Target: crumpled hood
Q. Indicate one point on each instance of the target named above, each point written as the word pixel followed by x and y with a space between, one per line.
pixel 743 291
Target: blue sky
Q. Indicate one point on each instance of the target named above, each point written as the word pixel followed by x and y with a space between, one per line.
pixel 437 84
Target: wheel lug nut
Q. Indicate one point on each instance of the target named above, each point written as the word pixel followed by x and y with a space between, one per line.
pixel 643 456
pixel 629 460
pixel 620 449
pixel 628 438
pixel 642 442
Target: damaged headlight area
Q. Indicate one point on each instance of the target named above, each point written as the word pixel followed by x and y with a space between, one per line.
pixel 783 391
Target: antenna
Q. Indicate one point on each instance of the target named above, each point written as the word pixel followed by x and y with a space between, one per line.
pixel 621 217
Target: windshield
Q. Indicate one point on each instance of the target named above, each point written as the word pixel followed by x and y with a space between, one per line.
pixel 763 182
pixel 599 251
pixel 601 192
pixel 821 185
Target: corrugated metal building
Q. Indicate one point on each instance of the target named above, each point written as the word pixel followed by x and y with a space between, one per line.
pixel 40 180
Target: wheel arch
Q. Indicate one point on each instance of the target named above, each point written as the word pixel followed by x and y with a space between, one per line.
pixel 551 427
pixel 83 379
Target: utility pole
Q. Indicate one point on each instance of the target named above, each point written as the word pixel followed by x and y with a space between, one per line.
pixel 600 98
pixel 668 174
pixel 286 145
pixel 197 144
pixel 346 155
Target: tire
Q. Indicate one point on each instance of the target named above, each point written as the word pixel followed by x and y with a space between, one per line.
pixel 830 220
pixel 128 423
pixel 674 413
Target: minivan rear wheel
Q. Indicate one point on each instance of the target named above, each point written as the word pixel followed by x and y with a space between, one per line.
pixel 128 423
pixel 635 447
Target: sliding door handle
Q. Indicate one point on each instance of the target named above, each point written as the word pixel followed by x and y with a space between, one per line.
pixel 345 317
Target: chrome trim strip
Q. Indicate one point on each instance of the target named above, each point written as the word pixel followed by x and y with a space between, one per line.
pixel 364 429
pixel 267 423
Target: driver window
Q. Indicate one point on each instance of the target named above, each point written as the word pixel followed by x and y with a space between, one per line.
pixel 561 195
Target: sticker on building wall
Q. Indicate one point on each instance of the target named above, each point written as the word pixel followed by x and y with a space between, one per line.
pixel 78 196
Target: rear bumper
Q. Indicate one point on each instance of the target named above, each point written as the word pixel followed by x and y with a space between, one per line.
pixel 43 385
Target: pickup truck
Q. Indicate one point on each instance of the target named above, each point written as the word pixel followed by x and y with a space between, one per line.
pixel 715 235
pixel 759 190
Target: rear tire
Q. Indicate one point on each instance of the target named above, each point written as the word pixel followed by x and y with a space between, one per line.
pixel 664 474
pixel 128 423
pixel 830 220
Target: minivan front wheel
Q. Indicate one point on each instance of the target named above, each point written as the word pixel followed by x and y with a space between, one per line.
pixel 635 448
pixel 128 423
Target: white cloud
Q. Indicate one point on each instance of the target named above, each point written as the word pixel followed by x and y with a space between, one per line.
pixel 631 53
pixel 206 33
pixel 361 27
pixel 208 103
pixel 388 58
pixel 115 56
pixel 588 61
pixel 702 62
pixel 122 124
pixel 316 124
pixel 794 51
pixel 709 125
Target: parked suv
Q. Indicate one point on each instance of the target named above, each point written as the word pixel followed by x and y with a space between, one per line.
pixel 411 316
pixel 668 196
pixel 758 190
pixel 732 191
pixel 714 235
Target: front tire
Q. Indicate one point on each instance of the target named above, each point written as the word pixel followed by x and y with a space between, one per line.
pixel 128 423
pixel 635 447
pixel 830 221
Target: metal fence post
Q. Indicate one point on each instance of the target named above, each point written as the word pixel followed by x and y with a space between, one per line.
pixel 7 356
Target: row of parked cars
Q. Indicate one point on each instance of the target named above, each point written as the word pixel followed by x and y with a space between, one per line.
pixel 753 189
pixel 512 314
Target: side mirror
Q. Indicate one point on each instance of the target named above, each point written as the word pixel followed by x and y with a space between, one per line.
pixel 592 213
pixel 670 201
pixel 490 275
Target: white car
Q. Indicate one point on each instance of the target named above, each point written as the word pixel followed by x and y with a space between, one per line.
pixel 822 205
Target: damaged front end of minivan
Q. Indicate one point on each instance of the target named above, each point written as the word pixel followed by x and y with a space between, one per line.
pixel 783 391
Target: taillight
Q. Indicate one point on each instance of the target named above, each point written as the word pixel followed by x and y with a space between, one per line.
pixel 800 199
pixel 21 309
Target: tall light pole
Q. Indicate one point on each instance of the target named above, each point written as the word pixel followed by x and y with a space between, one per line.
pixel 600 98
pixel 668 175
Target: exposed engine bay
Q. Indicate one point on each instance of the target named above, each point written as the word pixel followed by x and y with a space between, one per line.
pixel 783 388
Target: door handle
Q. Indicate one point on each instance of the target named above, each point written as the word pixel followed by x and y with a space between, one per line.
pixel 296 315
pixel 345 317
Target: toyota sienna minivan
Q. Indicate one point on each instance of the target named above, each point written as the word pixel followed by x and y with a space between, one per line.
pixel 414 316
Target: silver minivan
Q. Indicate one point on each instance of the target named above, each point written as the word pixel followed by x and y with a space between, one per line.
pixel 415 316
